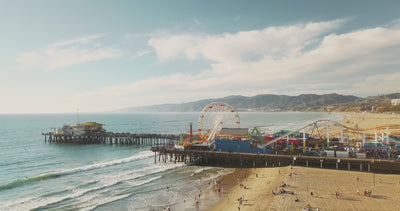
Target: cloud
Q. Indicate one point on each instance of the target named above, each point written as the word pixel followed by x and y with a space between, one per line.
pixel 69 52
pixel 293 59
pixel 300 54
pixel 275 42
pixel 81 40
pixel 141 53
pixel 395 24
pixel 380 83
pixel 157 90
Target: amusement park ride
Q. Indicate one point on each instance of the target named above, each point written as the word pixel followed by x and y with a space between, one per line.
pixel 217 115
pixel 212 119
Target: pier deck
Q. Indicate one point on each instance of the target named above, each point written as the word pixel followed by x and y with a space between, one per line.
pixel 113 138
pixel 238 160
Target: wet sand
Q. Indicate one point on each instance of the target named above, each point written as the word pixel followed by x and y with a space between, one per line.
pixel 203 198
pixel 255 190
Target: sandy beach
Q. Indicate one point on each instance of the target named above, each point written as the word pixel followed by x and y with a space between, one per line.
pixel 249 189
pixel 315 189
pixel 369 121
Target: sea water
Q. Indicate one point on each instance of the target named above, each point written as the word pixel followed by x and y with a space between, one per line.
pixel 35 175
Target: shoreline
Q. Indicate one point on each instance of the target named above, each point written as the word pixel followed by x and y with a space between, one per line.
pixel 203 198
pixel 247 187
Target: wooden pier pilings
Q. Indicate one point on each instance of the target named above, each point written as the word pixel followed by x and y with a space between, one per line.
pixel 239 160
pixel 113 138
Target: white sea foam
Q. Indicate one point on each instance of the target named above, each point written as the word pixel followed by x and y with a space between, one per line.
pixel 90 205
pixel 84 195
pixel 90 202
pixel 102 164
pixel 197 171
pixel 37 202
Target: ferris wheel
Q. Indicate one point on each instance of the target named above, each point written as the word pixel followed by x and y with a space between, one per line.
pixel 217 115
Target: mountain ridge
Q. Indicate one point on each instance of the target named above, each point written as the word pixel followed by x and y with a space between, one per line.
pixel 271 102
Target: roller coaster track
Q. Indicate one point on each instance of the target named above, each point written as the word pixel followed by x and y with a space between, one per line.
pixel 354 130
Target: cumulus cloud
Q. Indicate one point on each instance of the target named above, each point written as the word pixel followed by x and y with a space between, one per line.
pixel 300 54
pixel 276 42
pixel 293 59
pixel 69 52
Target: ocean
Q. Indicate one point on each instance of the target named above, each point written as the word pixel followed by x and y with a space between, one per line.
pixel 35 175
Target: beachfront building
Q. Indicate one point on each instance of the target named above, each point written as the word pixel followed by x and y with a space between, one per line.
pixel 395 102
pixel 80 129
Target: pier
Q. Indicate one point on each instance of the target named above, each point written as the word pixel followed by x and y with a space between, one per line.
pixel 112 138
pixel 94 133
pixel 246 160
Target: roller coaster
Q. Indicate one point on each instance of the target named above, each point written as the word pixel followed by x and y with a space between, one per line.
pixel 326 125
pixel 218 115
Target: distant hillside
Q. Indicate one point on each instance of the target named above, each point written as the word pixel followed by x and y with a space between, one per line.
pixel 269 102
pixel 380 103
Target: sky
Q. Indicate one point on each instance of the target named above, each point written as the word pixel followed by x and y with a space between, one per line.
pixel 99 56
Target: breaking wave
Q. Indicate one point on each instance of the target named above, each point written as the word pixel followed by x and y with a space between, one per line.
pixel 139 156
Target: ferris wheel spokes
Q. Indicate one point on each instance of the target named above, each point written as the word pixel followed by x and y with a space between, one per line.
pixel 216 115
